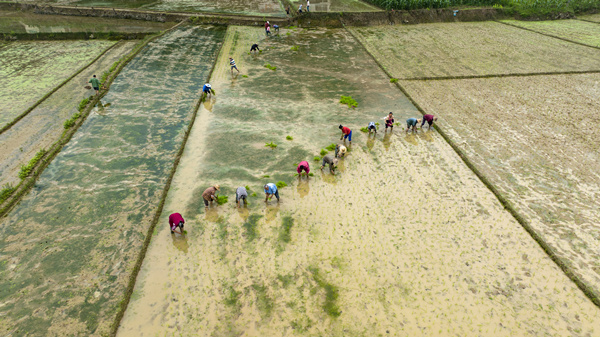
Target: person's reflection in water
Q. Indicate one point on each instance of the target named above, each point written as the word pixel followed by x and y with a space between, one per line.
pixel 387 140
pixel 271 212
pixel 411 138
pixel 427 135
pixel 209 103
pixel 371 141
pixel 243 212
pixel 303 187
pixel 180 242
pixel 212 215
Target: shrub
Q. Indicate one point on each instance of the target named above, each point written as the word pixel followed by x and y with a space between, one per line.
pixel 364 129
pixel 349 101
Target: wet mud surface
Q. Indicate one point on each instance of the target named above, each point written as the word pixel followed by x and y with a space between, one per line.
pixel 593 17
pixel 470 49
pixel 44 125
pixel 25 22
pixel 29 70
pixel 574 30
pixel 535 139
pixel 67 250
pixel 403 240
pixel 336 6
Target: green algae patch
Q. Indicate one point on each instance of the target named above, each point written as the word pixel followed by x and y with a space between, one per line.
pixel 250 227
pixel 331 291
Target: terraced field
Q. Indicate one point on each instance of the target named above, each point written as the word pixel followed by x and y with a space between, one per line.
pixel 574 30
pixel 367 251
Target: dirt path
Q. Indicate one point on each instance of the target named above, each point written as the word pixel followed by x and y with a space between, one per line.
pixel 44 125
pixel 404 240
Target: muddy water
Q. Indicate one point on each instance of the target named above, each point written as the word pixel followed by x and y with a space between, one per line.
pixel 403 240
pixel 537 144
pixel 30 69
pixel 69 247
pixel 471 48
pixel 25 22
pixel 44 125
pixel 337 6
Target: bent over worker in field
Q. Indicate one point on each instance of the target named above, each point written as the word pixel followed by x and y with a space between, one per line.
pixel 176 220
pixel 389 121
pixel 372 127
pixel 209 195
pixel 254 48
pixel 429 119
pixel 346 133
pixel 412 123
pixel 241 193
pixel 270 191
pixel 332 162
pixel 303 166
pixel 207 89
pixel 340 151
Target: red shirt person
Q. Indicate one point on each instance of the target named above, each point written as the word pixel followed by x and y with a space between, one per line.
pixel 346 133
pixel 429 119
pixel 303 166
pixel 176 220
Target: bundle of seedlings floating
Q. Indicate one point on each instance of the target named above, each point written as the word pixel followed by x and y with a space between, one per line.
pixel 269 66
pixel 348 100
pixel 280 184
pixel 271 145
pixel 317 158
pixel 364 130
pixel 331 147
pixel 295 48
pixel 393 80
pixel 289 137
pixel 323 152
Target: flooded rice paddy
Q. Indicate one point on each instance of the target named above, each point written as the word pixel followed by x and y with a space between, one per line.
pixel 26 22
pixel 68 249
pixel 29 70
pixel 403 240
pixel 471 49
pixel 535 139
pixel 574 30
pixel 44 124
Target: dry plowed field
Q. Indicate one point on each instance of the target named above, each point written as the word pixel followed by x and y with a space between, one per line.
pixel 471 49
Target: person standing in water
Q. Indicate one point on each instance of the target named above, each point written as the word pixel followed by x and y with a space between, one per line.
pixel 176 220
pixel 340 151
pixel 232 64
pixel 209 195
pixel 241 193
pixel 303 166
pixel 332 162
pixel 95 84
pixel 270 191
pixel 412 123
pixel 389 121
pixel 346 133
pixel 372 127
pixel 429 119
pixel 207 89
pixel 267 25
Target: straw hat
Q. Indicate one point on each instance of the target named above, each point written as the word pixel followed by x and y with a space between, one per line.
pixel 217 187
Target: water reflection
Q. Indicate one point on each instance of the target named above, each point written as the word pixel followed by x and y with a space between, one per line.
pixel 387 140
pixel 180 242
pixel 303 187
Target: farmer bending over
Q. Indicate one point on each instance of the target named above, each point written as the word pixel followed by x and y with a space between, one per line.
pixel 207 89
pixel 95 84
pixel 412 123
pixel 340 151
pixel 303 166
pixel 176 220
pixel 270 191
pixel 254 48
pixel 346 133
pixel 209 195
pixel 332 162
pixel 429 119
pixel 389 121
pixel 241 193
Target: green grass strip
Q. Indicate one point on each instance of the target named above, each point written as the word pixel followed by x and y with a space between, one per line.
pixel 36 104
pixel 562 264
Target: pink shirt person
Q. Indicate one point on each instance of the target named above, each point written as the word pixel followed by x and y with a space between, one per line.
pixel 303 166
pixel 174 220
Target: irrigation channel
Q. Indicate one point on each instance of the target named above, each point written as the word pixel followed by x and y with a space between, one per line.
pixel 68 249
pixel 403 240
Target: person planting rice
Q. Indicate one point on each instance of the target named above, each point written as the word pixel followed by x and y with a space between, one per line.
pixel 303 166
pixel 270 191
pixel 95 84
pixel 346 133
pixel 209 195
pixel 268 30
pixel 412 123
pixel 241 193
pixel 429 119
pixel 372 127
pixel 332 162
pixel 176 220
pixel 389 121
pixel 207 89
pixel 232 64
pixel 340 151
pixel 254 48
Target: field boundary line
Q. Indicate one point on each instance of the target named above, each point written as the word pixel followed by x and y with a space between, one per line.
pixel 546 34
pixel 26 184
pixel 590 21
pixel 470 77
pixel 588 291
pixel 138 265
pixel 41 100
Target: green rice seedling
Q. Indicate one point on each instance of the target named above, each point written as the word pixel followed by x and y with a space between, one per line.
pixel 285 234
pixel 364 129
pixel 269 66
pixel 289 138
pixel 184 232
pixel 221 199
pixel 71 121
pixel 316 158
pixel 393 80
pixel 253 194
pixel 288 34
pixel 212 91
pixel 26 169
pixel 331 147
pixel 247 188
pixel 271 145
pixel 295 48
pixel 281 184
pixel 245 76
pixel 348 100
pixel 84 102
pixel 114 66
pixel 6 191
pixel 266 176
pixel 104 77
pixel 377 124
pixel 311 174
pixel 323 152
